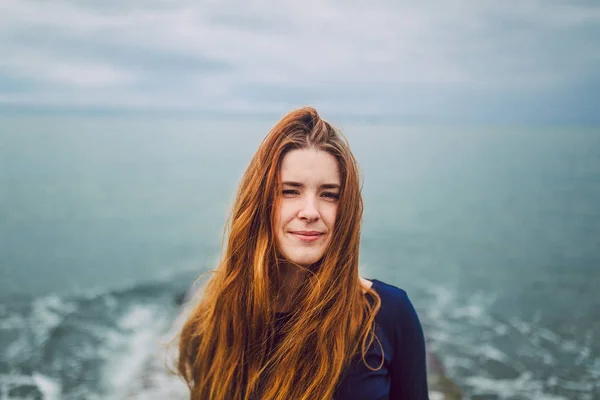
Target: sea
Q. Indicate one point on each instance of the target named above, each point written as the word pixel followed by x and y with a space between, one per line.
pixel 106 221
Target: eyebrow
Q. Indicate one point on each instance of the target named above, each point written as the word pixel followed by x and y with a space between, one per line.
pixel 323 186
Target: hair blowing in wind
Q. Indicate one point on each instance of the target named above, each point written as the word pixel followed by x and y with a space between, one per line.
pixel 224 346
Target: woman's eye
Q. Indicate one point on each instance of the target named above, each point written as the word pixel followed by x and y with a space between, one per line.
pixel 331 195
pixel 290 192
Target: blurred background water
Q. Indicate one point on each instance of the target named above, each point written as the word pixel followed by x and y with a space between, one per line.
pixel 493 231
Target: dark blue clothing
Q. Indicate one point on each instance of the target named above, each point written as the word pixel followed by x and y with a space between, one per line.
pixel 403 375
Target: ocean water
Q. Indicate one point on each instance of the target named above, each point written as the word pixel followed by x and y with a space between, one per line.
pixel 104 222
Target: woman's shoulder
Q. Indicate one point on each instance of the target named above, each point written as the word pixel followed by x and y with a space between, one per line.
pixel 395 303
pixel 389 293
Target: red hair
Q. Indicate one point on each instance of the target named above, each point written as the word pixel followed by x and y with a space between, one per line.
pixel 224 346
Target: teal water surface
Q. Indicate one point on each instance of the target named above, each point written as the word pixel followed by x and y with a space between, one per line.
pixel 494 233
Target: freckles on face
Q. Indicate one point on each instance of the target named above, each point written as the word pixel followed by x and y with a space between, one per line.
pixel 306 212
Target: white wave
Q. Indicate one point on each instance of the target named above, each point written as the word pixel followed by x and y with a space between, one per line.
pixel 12 322
pixel 463 330
pixel 141 327
pixel 46 314
pixel 500 329
pixel 520 325
pixel 524 385
pixel 48 387
pixel 193 267
pixel 443 298
pixel 433 395
pixel 471 311
pixel 584 387
pixel 154 381
pixel 16 349
pixel 490 352
pixel 548 335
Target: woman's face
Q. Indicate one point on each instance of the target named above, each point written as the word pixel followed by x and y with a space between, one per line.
pixel 305 217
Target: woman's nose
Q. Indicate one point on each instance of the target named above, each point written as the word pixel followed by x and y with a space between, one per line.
pixel 309 209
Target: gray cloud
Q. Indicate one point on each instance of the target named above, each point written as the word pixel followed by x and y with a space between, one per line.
pixel 464 59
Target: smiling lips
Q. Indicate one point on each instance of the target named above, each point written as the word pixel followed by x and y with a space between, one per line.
pixel 307 236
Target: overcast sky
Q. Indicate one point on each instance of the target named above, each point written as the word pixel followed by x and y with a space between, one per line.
pixel 461 60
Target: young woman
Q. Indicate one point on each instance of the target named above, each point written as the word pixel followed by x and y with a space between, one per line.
pixel 286 315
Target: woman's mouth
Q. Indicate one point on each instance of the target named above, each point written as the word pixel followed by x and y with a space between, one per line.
pixel 307 236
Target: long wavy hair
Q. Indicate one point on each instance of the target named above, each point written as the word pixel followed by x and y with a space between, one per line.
pixel 225 345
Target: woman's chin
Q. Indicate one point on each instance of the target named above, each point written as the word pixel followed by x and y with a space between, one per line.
pixel 305 259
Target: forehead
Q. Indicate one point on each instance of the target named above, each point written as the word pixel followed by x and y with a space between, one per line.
pixel 310 166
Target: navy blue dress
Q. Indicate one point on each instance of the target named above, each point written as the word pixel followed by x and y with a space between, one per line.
pixel 403 375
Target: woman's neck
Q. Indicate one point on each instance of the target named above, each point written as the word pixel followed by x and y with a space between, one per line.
pixel 291 276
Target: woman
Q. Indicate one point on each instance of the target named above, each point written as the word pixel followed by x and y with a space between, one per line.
pixel 286 315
